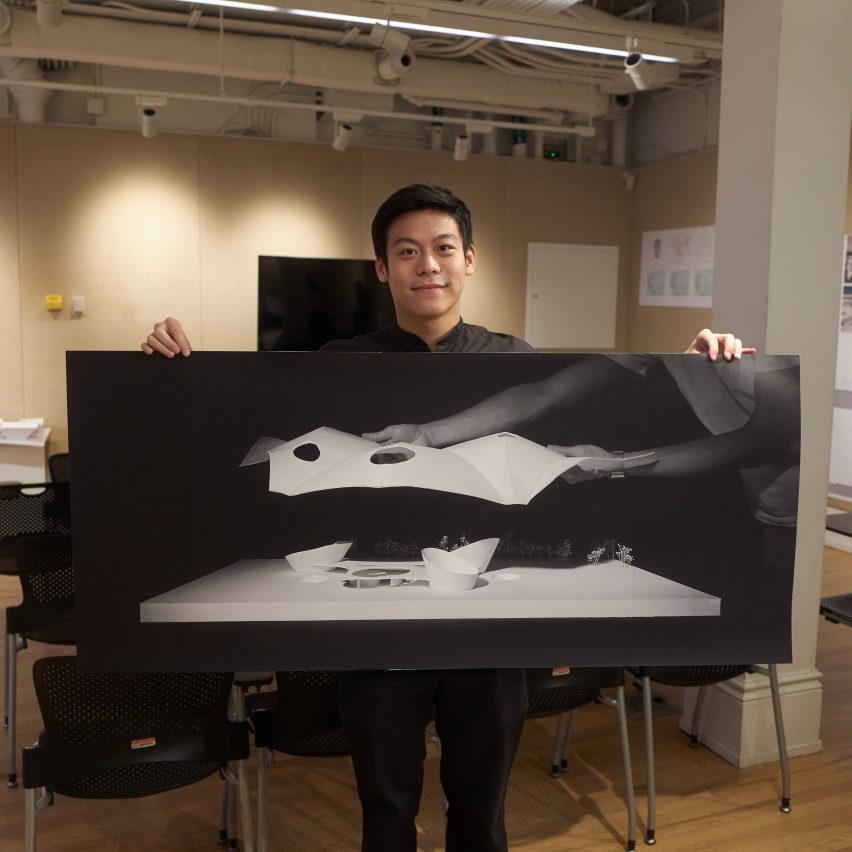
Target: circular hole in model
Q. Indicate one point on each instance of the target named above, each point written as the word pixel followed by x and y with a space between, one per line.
pixel 392 455
pixel 307 452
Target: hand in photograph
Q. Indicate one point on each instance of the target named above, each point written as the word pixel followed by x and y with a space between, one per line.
pixel 599 463
pixel 510 409
pixel 401 433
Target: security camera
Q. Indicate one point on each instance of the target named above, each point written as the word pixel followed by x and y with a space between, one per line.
pixel 638 70
pixel 389 39
pixel 393 65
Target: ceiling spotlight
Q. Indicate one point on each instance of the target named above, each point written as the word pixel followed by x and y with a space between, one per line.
pixel 462 147
pixel 48 13
pixel 341 137
pixel 149 123
pixel 638 70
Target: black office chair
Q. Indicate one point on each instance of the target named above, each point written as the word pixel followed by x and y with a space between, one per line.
pixel 244 683
pixel 110 736
pixel 299 718
pixel 39 509
pixel 46 614
pixel 837 609
pixel 550 694
pixel 59 466
pixel 702 677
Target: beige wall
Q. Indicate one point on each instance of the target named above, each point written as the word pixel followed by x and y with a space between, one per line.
pixel 173 225
pixel 103 215
pixel 11 375
pixel 677 193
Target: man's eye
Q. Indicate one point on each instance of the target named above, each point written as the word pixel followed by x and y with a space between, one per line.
pixel 447 247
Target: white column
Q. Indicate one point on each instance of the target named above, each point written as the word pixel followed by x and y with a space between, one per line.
pixel 783 161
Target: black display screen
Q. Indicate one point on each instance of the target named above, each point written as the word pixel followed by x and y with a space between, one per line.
pixel 306 302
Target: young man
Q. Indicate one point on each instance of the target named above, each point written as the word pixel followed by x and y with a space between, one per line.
pixel 423 241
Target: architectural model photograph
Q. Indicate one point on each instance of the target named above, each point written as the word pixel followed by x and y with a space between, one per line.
pixel 464 510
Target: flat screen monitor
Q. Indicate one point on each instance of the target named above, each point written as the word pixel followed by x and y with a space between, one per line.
pixel 306 302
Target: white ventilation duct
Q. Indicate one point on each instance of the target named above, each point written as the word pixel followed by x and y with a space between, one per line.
pixel 31 101
pixel 180 50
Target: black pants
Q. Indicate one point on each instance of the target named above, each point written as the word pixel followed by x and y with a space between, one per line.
pixel 479 715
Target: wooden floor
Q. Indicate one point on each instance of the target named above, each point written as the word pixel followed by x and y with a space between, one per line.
pixel 703 802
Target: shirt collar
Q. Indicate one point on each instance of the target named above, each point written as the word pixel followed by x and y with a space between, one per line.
pixel 409 342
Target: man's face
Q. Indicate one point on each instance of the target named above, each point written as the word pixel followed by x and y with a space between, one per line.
pixel 426 267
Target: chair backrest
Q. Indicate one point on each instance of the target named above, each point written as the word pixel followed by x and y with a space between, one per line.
pixel 35 509
pixel 121 734
pixel 304 719
pixel 45 568
pixel 59 465
pixel 555 693
pixel 691 675
pixel 46 572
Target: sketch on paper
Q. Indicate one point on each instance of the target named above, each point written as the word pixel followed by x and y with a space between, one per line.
pixel 677 268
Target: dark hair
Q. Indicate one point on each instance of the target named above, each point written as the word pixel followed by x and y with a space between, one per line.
pixel 419 196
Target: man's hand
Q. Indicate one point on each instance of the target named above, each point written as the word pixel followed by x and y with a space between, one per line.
pixel 713 344
pixel 168 339
pixel 401 433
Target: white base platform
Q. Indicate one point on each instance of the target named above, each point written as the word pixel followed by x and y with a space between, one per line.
pixel 269 590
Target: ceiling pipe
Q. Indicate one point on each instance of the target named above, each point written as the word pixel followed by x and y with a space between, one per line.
pixel 578 130
pixel 159 47
pixel 210 22
pixel 548 115
pixel 31 100
pixel 619 141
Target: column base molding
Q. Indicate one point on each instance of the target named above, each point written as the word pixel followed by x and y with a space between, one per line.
pixel 737 721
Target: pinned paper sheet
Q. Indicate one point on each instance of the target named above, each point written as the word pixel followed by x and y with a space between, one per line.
pixel 503 468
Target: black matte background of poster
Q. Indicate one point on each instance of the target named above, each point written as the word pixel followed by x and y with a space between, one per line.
pixel 158 500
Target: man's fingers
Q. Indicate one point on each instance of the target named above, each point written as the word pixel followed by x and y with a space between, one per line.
pixel 168 339
pixel 719 344
pixel 176 332
pixel 156 345
pixel 708 343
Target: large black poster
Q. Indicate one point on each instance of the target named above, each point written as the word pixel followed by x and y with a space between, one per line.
pixel 498 549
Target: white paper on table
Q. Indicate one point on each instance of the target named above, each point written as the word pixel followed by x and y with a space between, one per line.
pixel 26 432
pixel 503 468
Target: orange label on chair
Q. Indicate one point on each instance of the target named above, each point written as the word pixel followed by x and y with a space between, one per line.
pixel 561 670
pixel 146 742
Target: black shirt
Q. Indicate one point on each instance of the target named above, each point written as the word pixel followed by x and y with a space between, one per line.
pixel 460 338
